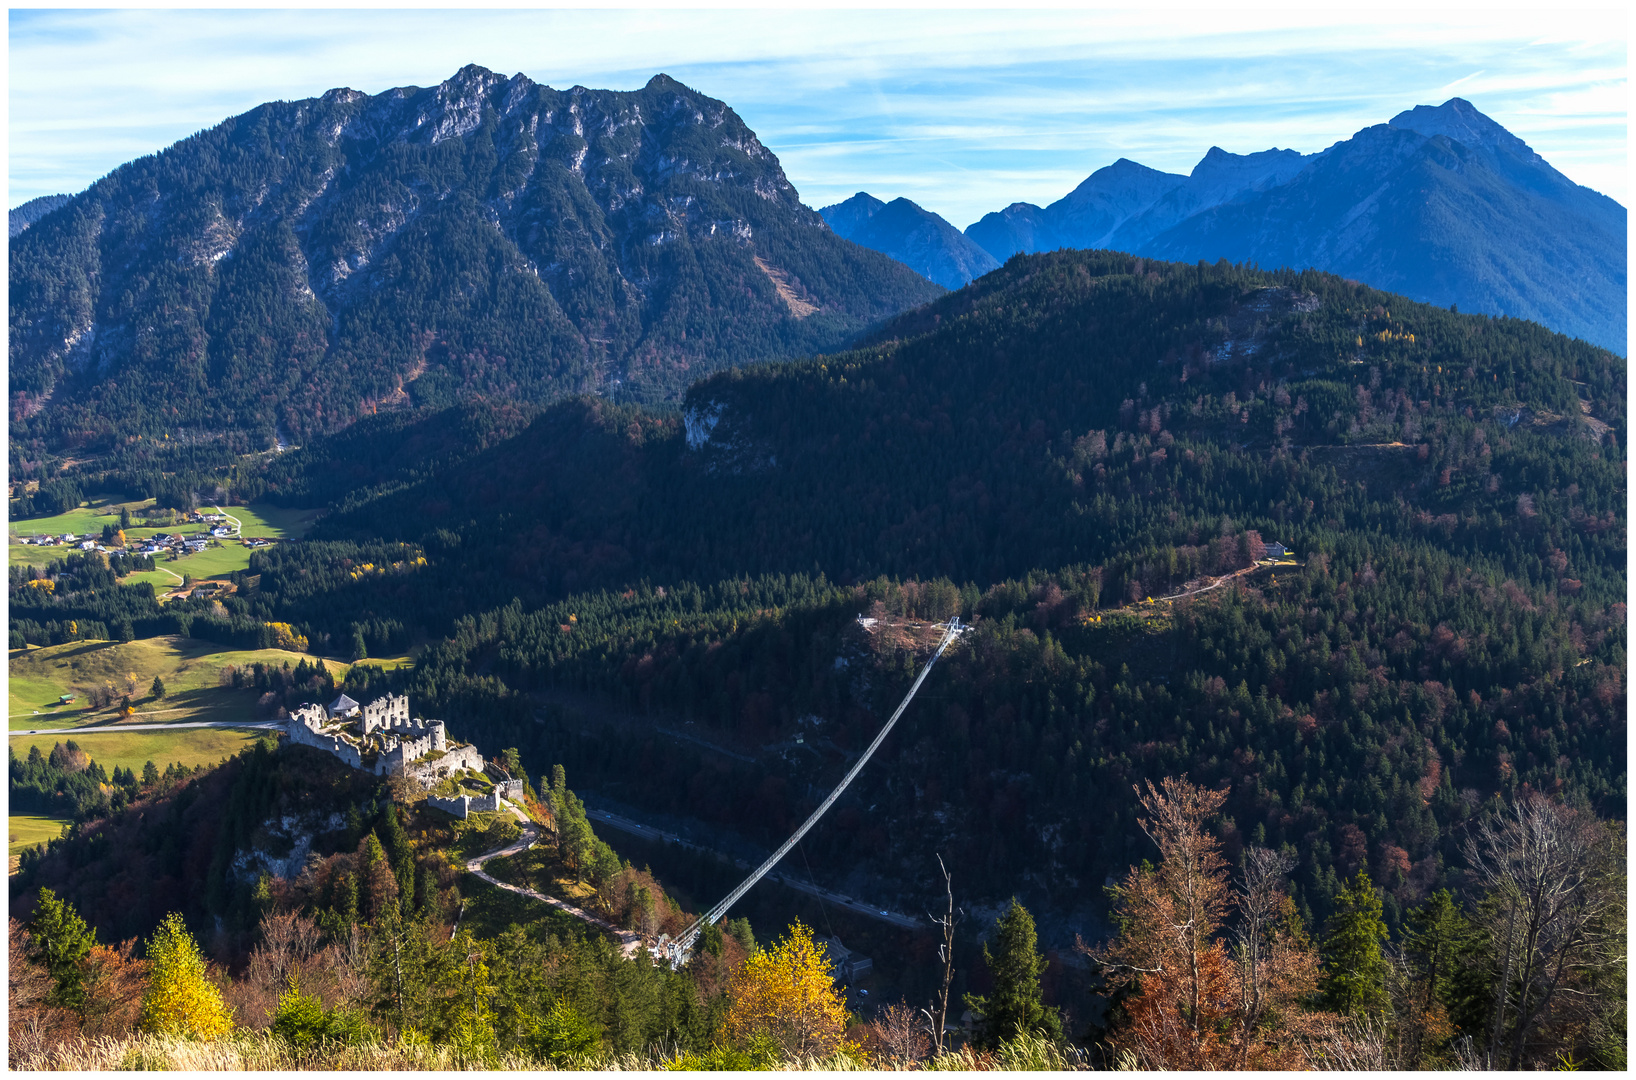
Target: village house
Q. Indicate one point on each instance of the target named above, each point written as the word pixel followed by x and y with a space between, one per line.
pixel 846 965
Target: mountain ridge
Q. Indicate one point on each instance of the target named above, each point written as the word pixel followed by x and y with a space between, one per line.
pixel 309 262
pixel 921 240
pixel 1481 221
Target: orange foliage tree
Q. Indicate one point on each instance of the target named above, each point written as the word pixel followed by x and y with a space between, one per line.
pixel 786 994
pixel 1200 1003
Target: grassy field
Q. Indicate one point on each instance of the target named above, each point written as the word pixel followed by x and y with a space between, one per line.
pixel 191 670
pixel 161 580
pixel 26 830
pixel 259 519
pixel 133 749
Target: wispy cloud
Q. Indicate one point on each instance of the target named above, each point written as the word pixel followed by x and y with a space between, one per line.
pixel 964 111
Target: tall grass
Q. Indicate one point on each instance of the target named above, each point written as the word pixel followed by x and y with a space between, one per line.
pixel 251 1051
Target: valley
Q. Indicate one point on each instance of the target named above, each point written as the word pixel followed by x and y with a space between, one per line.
pixel 619 500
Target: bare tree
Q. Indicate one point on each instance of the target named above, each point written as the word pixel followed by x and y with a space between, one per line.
pixel 288 947
pixel 288 941
pixel 351 963
pixel 898 1032
pixel 945 953
pixel 1354 1045
pixel 1261 903
pixel 1552 878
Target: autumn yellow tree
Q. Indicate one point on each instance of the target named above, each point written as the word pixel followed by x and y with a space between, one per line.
pixel 181 999
pixel 786 994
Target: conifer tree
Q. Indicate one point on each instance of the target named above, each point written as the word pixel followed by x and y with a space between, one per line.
pixel 1016 1006
pixel 1437 944
pixel 1354 967
pixel 379 885
pixel 61 940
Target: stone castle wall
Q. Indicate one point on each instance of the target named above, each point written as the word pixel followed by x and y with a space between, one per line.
pixel 301 731
pixel 452 761
pixel 406 741
pixel 387 713
pixel 467 804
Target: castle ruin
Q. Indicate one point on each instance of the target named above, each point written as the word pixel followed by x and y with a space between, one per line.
pixel 382 738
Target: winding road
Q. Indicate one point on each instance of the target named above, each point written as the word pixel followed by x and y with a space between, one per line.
pixel 629 942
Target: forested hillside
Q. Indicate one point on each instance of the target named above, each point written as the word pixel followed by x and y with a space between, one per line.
pixel 1075 433
pixel 312 262
pixel 1069 408
pixel 1087 456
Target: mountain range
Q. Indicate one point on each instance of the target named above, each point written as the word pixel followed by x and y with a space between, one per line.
pixel 1442 204
pixel 487 239
pixel 313 261
pixel 917 238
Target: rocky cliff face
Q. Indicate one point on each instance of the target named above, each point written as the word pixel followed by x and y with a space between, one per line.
pixel 488 237
pixel 915 237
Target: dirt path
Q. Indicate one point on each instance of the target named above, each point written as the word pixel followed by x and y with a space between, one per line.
pixel 629 942
pixel 1216 584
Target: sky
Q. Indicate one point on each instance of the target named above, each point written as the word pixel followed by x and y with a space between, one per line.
pixel 963 110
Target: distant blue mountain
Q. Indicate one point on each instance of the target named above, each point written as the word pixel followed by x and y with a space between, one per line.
pixel 1219 178
pixel 918 238
pixel 1442 204
pixel 1083 218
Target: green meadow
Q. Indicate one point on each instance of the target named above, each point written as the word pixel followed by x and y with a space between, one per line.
pixel 192 671
pixel 259 519
pixel 26 830
pixel 133 749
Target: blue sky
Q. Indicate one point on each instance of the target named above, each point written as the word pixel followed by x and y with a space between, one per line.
pixel 963 110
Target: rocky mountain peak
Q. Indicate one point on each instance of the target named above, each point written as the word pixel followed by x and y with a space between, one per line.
pixel 1458 119
pixel 482 237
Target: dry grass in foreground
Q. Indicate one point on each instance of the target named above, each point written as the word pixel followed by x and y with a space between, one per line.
pixel 246 1051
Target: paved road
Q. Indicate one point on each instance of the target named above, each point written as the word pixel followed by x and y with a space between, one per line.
pixel 838 899
pixel 629 942
pixel 148 727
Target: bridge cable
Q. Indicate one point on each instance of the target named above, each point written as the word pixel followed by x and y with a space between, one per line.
pixel 682 945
